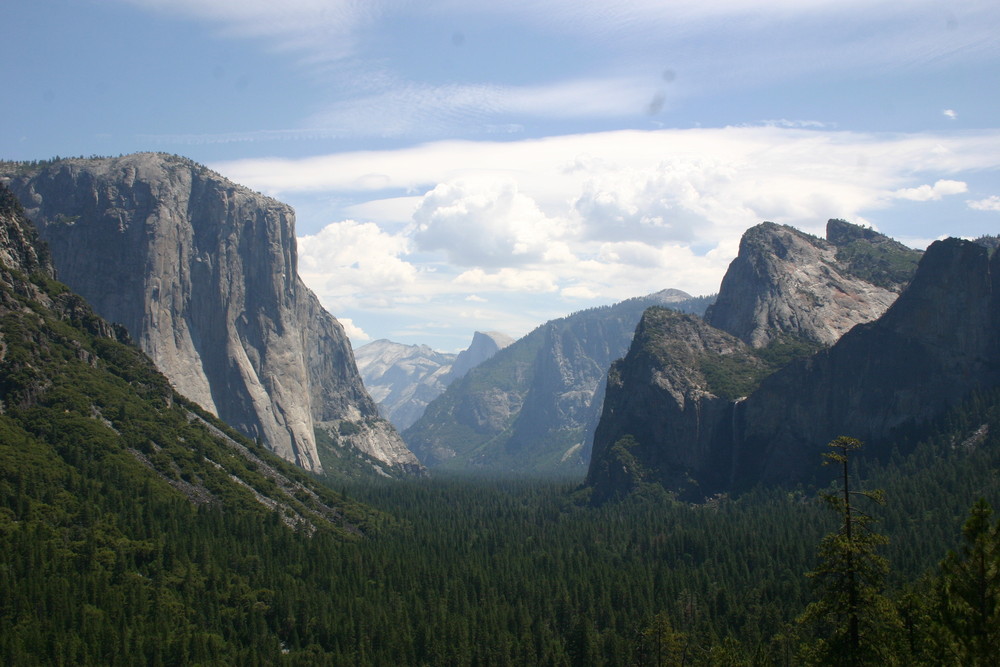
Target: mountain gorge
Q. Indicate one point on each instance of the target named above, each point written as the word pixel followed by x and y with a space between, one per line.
pixel 703 419
pixel 530 408
pixel 138 529
pixel 202 273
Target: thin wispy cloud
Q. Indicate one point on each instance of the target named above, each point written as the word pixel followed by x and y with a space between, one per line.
pixel 988 204
pixel 379 89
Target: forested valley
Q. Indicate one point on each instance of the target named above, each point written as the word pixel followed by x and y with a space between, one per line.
pixel 101 567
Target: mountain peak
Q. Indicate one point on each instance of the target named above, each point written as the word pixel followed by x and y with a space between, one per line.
pixel 785 282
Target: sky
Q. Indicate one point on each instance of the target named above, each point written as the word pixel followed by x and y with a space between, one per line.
pixel 461 165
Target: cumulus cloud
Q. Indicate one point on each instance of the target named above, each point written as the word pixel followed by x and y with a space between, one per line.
pixel 934 192
pixel 989 204
pixel 585 219
pixel 674 201
pixel 347 262
pixel 353 331
pixel 487 223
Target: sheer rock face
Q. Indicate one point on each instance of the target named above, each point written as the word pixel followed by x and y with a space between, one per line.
pixel 202 272
pixel 659 396
pixel 932 348
pixel 484 345
pixel 787 282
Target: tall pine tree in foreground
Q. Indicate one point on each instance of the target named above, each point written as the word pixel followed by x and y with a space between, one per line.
pixel 851 617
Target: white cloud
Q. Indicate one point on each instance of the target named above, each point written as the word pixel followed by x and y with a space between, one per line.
pixel 508 280
pixel 353 331
pixel 991 203
pixel 350 262
pixel 950 113
pixel 676 200
pixel 589 218
pixel 934 192
pixel 486 223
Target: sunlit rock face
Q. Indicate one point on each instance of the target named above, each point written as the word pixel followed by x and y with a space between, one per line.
pixel 936 345
pixel 202 273
pixel 785 281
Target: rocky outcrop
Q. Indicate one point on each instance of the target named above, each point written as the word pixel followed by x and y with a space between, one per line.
pixel 664 419
pixel 530 407
pixel 483 346
pixel 786 282
pixel 202 273
pixel 699 415
pixel 936 345
pixel 82 400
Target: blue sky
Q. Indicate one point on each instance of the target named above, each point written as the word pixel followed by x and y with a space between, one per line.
pixel 463 165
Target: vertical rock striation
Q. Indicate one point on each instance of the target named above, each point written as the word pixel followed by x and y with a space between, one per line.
pixel 203 274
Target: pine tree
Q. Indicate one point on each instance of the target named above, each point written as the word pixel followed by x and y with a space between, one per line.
pixel 662 644
pixel 968 592
pixel 850 614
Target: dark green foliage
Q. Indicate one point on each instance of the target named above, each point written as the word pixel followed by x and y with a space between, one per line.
pixel 732 376
pixel 785 349
pixel 876 258
pixel 740 372
pixel 968 592
pixel 135 528
pixel 853 617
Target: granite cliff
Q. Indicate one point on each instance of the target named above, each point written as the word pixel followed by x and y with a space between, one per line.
pixel 483 346
pixel 87 417
pixel 666 405
pixel 697 413
pixel 934 347
pixel 786 282
pixel 202 273
pixel 530 408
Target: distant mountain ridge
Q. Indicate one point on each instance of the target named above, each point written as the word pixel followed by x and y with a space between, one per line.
pixel 529 409
pixel 483 346
pixel 403 379
pixel 203 274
